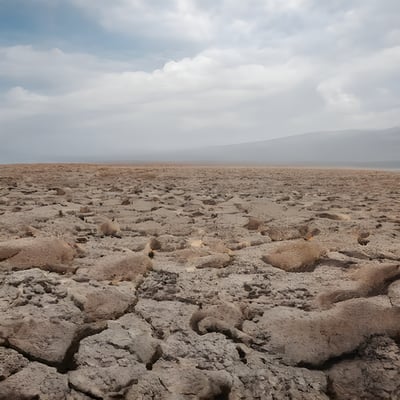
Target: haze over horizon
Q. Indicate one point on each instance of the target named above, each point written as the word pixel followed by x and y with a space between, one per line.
pixel 86 78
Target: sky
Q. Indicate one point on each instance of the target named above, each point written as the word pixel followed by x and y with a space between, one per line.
pixel 100 78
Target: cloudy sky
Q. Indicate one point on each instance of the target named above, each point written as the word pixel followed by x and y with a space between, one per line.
pixel 83 78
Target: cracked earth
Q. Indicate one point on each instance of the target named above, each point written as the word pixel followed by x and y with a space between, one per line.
pixel 229 283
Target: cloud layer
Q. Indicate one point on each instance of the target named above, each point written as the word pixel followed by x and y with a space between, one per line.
pixel 227 72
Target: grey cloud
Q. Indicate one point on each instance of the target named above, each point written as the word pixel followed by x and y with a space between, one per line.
pixel 252 70
pixel 52 70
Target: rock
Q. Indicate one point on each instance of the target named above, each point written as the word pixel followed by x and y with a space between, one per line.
pixel 259 377
pixel 373 374
pixel 336 258
pixel 278 234
pixel 131 333
pixel 8 250
pixel 51 254
pixel 101 303
pixel 30 231
pixel 34 292
pixel 298 256
pixel 371 280
pixel 182 382
pixel 167 243
pixel 216 260
pixel 225 318
pixel 149 387
pixel 112 360
pixel 85 210
pixel 60 191
pixel 10 362
pixel 109 380
pixel 253 224
pixel 159 285
pixel 362 238
pixel 155 244
pixel 42 339
pixel 35 381
pixel 208 352
pixel 166 316
pixel 74 395
pixel 215 245
pixel 127 267
pixel 190 255
pixel 239 245
pixel 313 338
pixel 394 293
pixel 334 216
pixel 209 202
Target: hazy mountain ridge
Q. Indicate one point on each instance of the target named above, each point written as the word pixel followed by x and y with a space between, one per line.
pixel 359 148
pixel 379 148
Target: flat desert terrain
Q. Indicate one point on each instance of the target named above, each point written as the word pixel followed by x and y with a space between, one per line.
pixel 172 282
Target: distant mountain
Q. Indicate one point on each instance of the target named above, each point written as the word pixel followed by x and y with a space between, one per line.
pixel 358 148
pixel 369 148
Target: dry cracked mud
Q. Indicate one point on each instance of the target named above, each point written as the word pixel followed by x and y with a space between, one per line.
pixel 183 283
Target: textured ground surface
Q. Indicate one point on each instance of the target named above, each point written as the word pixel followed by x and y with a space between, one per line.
pixel 121 282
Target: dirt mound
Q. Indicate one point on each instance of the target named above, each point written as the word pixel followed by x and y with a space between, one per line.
pixel 312 338
pixel 298 256
pixel 117 268
pixel 50 254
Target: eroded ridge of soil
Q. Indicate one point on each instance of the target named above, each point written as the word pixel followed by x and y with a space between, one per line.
pixel 128 282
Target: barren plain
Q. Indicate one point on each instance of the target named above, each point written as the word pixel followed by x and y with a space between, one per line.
pixel 178 282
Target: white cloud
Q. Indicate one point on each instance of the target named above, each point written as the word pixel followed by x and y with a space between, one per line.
pixel 364 83
pixel 183 102
pixel 21 103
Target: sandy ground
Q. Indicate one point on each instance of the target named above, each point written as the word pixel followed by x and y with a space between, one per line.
pixel 169 282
